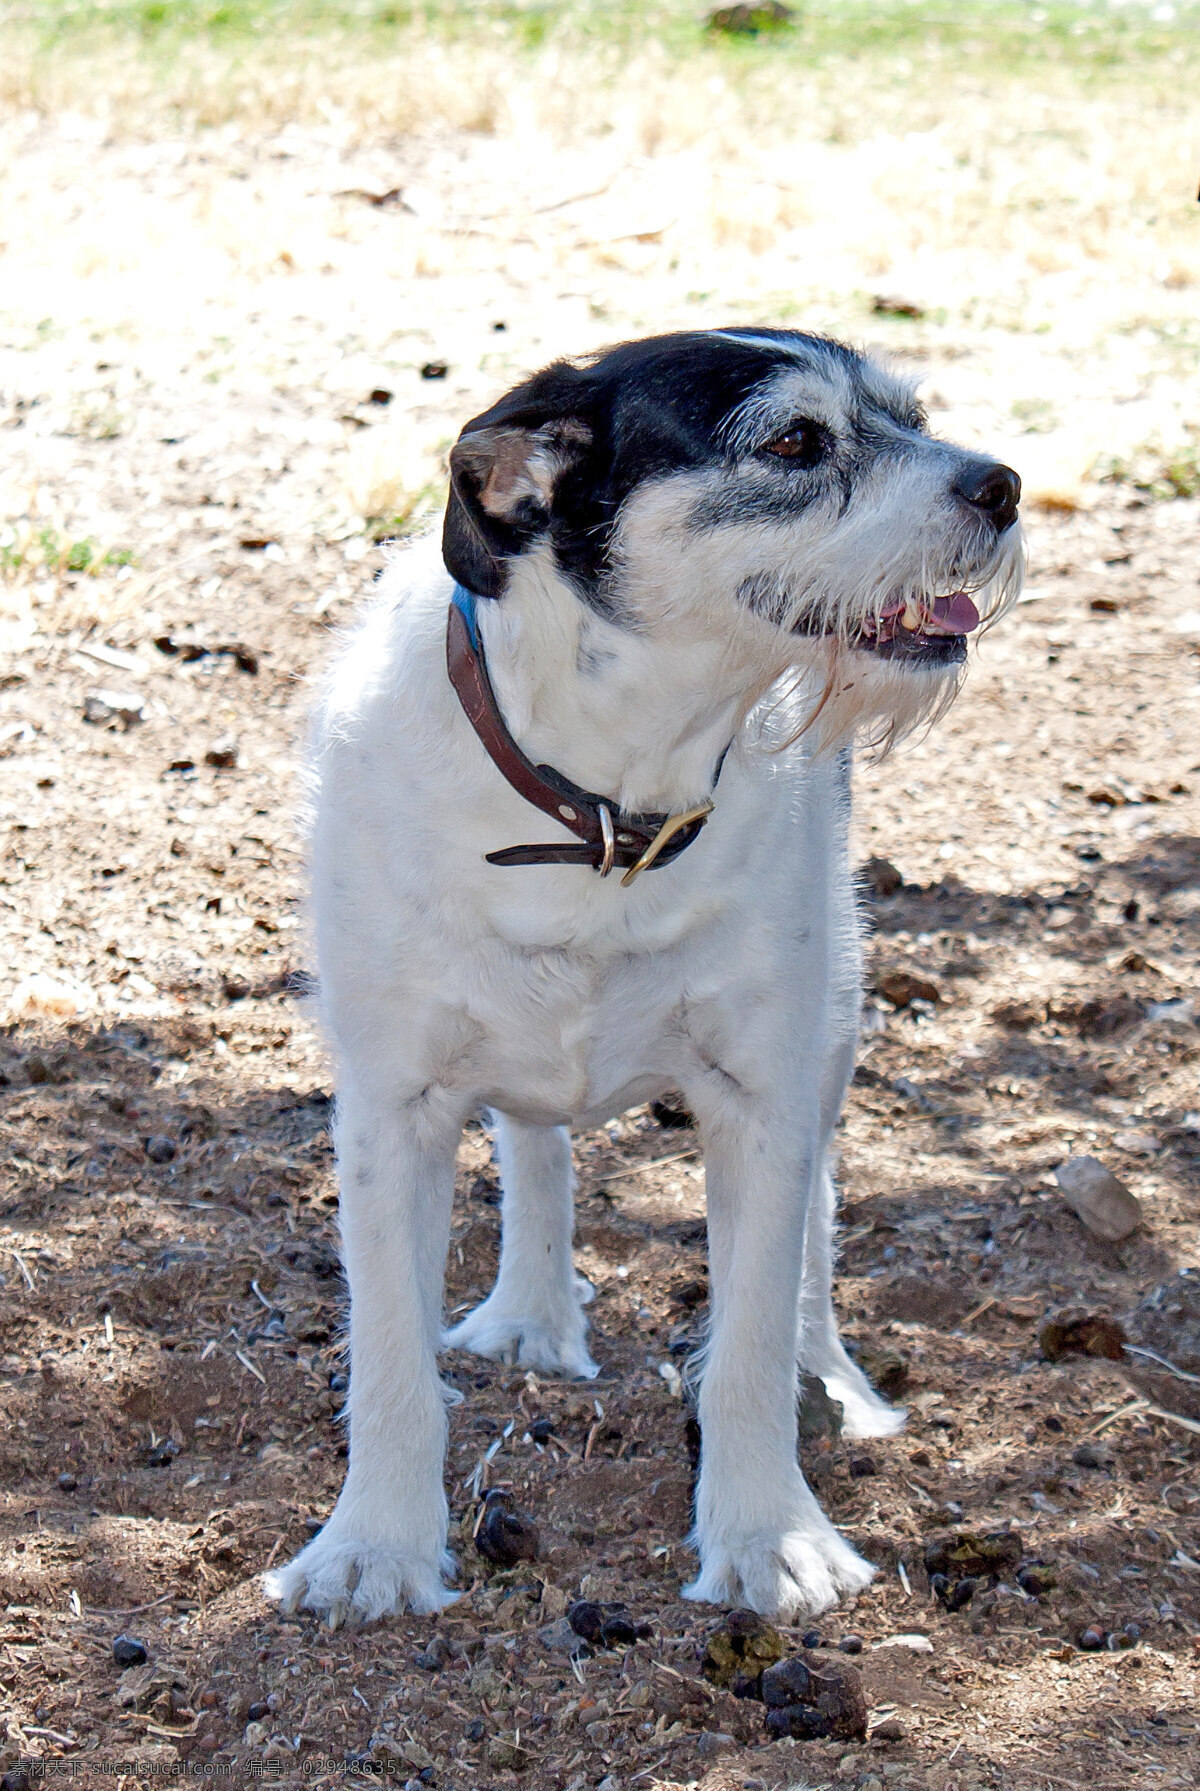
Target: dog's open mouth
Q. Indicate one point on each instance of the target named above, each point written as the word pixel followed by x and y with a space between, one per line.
pixel 932 630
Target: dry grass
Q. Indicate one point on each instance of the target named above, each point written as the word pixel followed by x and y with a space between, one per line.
pixel 1025 185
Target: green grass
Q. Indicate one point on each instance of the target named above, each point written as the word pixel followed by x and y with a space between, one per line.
pixel 996 32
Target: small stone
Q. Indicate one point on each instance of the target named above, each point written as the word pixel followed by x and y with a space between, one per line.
pixel 67 1482
pixel 1137 1144
pixel 1073 1331
pixel 710 1744
pixel 222 755
pixel 258 1711
pixel 160 1149
pixel 1092 1455
pixel 890 1729
pixel 1132 1633
pixel 435 370
pixel 506 1534
pixel 851 1644
pixel 128 1652
pixel 817 1415
pixel 881 877
pixel 1096 1196
pixel 1091 1639
pixel 103 708
pixel 862 1467
pixel 902 987
pixel 560 1638
pixel 811 1639
pixel 434 1655
pixel 541 1430
pixel 740 1647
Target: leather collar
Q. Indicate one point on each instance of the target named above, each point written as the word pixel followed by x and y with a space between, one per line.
pixel 608 838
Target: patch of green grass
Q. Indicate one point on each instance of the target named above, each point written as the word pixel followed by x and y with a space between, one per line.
pixel 27 548
pixel 1154 471
pixel 1002 32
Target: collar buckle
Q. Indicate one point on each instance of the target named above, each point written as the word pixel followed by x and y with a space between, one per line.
pixel 670 827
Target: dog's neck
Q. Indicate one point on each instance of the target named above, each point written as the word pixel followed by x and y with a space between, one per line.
pixel 639 713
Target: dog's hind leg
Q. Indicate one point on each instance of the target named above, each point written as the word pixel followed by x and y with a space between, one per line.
pixel 384 1547
pixel 819 1348
pixel 534 1314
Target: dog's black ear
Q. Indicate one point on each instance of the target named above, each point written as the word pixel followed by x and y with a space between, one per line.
pixel 502 481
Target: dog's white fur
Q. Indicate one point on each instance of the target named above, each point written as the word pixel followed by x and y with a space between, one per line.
pixel 558 999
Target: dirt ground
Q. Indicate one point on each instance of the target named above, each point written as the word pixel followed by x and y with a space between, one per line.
pixel 211 402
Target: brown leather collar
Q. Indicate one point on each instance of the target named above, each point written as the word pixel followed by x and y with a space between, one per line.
pixel 609 839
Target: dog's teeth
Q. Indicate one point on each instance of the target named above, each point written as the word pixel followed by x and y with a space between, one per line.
pixel 910 617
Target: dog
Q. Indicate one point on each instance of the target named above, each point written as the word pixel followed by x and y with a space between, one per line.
pixel 677 581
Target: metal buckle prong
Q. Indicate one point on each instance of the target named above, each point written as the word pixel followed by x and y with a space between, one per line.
pixel 610 841
pixel 667 831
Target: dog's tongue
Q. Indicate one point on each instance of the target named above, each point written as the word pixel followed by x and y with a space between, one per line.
pixel 955 615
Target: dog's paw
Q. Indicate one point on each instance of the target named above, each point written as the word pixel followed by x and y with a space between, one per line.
pixel 786 1577
pixel 864 1412
pixel 346 1581
pixel 554 1346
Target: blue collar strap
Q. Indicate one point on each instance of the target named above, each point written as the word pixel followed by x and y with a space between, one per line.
pixel 606 838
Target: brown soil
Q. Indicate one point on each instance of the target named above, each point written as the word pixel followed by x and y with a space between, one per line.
pixel 169 1318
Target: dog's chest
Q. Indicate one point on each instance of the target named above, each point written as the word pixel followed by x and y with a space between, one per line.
pixel 565 1034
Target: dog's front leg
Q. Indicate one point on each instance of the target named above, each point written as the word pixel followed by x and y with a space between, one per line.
pixel 384 1546
pixel 763 1540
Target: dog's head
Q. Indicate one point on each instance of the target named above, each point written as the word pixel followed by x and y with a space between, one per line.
pixel 774 490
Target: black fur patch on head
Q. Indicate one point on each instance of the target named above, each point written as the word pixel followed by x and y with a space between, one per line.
pixel 651 409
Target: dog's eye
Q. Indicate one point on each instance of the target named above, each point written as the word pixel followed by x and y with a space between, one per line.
pixel 803 442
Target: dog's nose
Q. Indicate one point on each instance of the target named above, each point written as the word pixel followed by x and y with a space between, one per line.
pixel 992 488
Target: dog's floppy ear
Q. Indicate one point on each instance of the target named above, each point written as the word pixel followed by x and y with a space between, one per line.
pixel 502 482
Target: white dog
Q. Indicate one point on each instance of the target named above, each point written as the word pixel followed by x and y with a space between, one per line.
pixel 683 575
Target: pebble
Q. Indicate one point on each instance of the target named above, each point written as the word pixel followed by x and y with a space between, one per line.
pixel 506 1534
pixel 222 755
pixel 160 1149
pixel 811 1639
pixel 1091 1639
pixel 851 1644
pixel 541 1430
pixel 1092 1455
pixel 902 987
pixel 1098 1198
pixel 434 1655
pixel 127 1651
pixel 103 707
pixel 67 1482
pixel 817 1416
